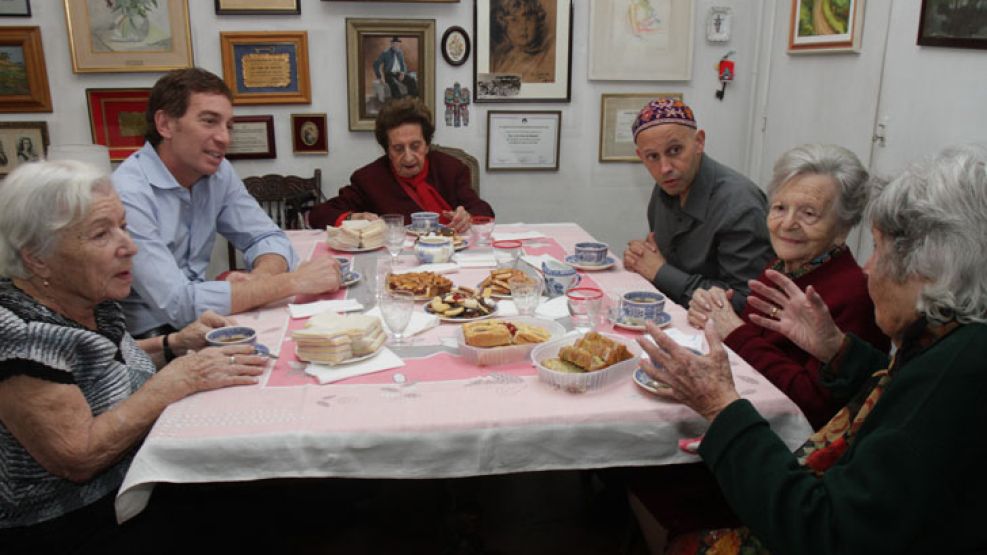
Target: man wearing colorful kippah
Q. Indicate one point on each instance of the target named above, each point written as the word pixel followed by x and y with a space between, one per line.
pixel 707 221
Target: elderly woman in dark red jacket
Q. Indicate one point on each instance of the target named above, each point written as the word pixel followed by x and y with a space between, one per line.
pixel 817 194
pixel 408 178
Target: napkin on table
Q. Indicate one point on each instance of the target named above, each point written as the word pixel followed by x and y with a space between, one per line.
pixel 420 321
pixel 443 268
pixel 476 260
pixel 553 309
pixel 690 340
pixel 535 260
pixel 516 235
pixel 318 307
pixel 384 360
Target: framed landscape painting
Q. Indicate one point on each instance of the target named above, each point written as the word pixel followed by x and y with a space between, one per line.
pixel 23 76
pixel 116 117
pixel 21 142
pixel 821 26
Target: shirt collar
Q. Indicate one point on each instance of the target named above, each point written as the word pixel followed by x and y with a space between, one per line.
pixel 157 173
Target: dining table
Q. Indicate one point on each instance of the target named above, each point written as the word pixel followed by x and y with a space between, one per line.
pixel 436 415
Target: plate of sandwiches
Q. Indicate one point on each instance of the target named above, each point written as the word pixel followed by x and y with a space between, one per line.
pixel 461 304
pixel 423 285
pixel 496 284
pixel 357 235
pixel 335 339
pixel 584 363
pixel 503 341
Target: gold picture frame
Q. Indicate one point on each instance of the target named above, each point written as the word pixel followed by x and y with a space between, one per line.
pixel 267 67
pixel 367 41
pixel 258 7
pixel 24 78
pixel 154 37
pixel 617 114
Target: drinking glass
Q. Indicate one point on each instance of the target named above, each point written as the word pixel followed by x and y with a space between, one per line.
pixel 584 307
pixel 526 294
pixel 482 228
pixel 396 307
pixel 395 235
pixel 507 253
pixel 384 268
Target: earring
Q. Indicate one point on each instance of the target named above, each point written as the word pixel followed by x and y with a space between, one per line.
pixel 44 282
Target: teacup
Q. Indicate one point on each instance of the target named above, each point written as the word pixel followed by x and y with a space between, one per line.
pixel 434 249
pixel 345 264
pixel 592 253
pixel 637 307
pixel 232 335
pixel 559 277
pixel 423 221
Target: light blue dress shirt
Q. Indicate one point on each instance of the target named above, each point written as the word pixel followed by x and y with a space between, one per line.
pixel 175 229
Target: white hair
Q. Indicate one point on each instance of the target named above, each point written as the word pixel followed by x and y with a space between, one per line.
pixel 933 218
pixel 37 201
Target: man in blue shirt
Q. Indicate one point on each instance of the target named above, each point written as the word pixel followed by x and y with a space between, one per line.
pixel 179 192
pixel 390 68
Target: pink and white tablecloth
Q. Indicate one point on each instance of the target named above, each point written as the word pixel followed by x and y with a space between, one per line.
pixel 446 418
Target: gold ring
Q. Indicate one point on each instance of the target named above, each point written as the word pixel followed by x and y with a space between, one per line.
pixel 232 359
pixel 774 313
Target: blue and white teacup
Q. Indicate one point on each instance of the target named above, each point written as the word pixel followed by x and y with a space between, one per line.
pixel 232 335
pixel 559 277
pixel 345 264
pixel 637 307
pixel 592 253
pixel 434 249
pixel 424 221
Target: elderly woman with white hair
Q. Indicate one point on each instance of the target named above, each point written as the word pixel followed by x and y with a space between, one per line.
pixel 77 393
pixel 899 469
pixel 816 196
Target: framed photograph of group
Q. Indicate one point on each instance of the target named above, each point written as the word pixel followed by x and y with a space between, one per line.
pixel 953 24
pixel 385 59
pixel 523 141
pixel 21 142
pixel 258 7
pixel 133 36
pixel 23 76
pixel 116 117
pixel 523 50
pixel 15 8
pixel 617 113
pixel 823 26
pixel 267 67
pixel 252 138
pixel 641 41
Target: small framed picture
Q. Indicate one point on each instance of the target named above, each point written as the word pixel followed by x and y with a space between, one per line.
pixel 23 76
pixel 116 117
pixel 15 8
pixel 617 114
pixel 815 29
pixel 523 141
pixel 267 67
pixel 252 138
pixel 20 142
pixel 258 7
pixel 455 46
pixel 308 134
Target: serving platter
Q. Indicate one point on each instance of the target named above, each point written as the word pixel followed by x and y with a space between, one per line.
pixel 459 320
pixel 342 362
pixel 343 248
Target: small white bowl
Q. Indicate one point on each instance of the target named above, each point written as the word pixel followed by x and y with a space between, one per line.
pixel 586 381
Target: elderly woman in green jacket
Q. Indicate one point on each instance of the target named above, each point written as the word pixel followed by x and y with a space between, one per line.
pixel 899 469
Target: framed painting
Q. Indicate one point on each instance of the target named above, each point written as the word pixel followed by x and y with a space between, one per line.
pixel 617 114
pixel 385 59
pixel 131 36
pixel 641 40
pixel 15 8
pixel 23 76
pixel 258 7
pixel 822 26
pixel 403 1
pixel 267 67
pixel 308 134
pixel 20 142
pixel 523 50
pixel 116 117
pixel 456 46
pixel 960 24
pixel 523 141
pixel 252 138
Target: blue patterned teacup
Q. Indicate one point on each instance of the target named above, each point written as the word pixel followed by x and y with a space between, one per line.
pixel 424 221
pixel 592 253
pixel 232 335
pixel 434 249
pixel 637 307
pixel 559 277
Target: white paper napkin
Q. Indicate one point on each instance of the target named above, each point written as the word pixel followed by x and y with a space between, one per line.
pixel 535 260
pixel 553 309
pixel 384 360
pixel 420 321
pixel 516 235
pixel 443 268
pixel 318 307
pixel 506 307
pixel 476 260
pixel 690 340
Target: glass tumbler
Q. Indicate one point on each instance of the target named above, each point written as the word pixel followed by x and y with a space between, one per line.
pixel 482 229
pixel 584 307
pixel 507 253
pixel 526 294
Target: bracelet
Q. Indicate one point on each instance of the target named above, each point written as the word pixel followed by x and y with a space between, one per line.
pixel 169 355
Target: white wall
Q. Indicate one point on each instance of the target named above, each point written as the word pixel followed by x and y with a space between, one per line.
pixel 607 199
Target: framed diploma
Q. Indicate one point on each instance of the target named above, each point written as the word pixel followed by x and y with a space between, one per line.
pixel 116 117
pixel 252 138
pixel 617 114
pixel 523 141
pixel 267 67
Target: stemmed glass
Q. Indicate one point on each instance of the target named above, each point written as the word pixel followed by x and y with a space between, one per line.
pixel 395 235
pixel 396 307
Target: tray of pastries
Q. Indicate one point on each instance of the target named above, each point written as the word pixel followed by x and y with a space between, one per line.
pixel 423 285
pixel 497 283
pixel 461 304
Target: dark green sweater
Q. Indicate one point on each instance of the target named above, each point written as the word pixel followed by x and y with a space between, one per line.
pixel 913 481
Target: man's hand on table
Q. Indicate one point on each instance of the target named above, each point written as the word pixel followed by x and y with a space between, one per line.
pixel 459 219
pixel 644 257
pixel 320 275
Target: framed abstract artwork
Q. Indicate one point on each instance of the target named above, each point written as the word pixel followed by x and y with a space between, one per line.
pixel 617 113
pixel 523 50
pixel 258 7
pixel 116 117
pixel 252 138
pixel 23 78
pixel 953 24
pixel 128 36
pixel 308 134
pixel 20 142
pixel 641 40
pixel 267 67
pixel 387 58
pixel 823 26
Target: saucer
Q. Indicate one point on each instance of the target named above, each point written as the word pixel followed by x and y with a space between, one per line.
pixel 573 261
pixel 262 350
pixel 351 277
pixel 664 319
pixel 647 383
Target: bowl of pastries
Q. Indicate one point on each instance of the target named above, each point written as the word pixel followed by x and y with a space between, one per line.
pixel 423 285
pixel 586 362
pixel 503 341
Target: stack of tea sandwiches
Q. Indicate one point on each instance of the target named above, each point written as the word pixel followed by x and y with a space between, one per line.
pixel 333 338
pixel 358 234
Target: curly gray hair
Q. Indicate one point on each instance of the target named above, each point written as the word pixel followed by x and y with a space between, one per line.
pixel 838 163
pixel 933 218
pixel 39 200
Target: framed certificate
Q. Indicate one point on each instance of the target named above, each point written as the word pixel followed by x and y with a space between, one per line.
pixel 267 67
pixel 617 113
pixel 523 141
pixel 116 117
pixel 252 138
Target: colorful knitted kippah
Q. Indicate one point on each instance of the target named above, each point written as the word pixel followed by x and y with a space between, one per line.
pixel 663 110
